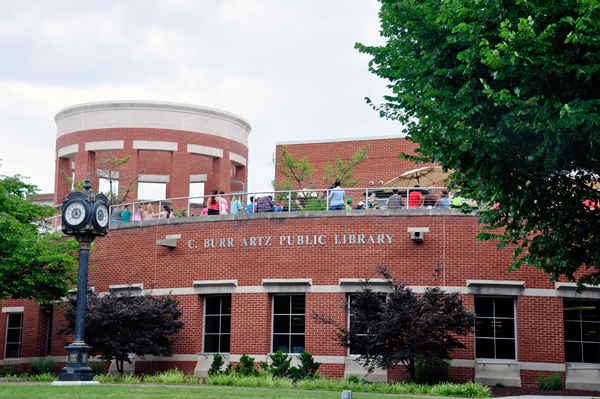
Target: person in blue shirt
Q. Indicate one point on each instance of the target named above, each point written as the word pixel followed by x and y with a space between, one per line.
pixel 251 207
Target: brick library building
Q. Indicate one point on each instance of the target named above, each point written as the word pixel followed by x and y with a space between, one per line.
pixel 249 282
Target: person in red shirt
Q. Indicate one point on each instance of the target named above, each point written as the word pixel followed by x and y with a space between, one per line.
pixel 414 198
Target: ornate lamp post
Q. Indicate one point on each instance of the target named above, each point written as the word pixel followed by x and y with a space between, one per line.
pixel 84 216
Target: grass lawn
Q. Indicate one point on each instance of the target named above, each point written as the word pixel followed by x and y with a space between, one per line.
pixel 8 390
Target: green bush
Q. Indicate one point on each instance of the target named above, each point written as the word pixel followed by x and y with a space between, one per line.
pixel 280 364
pixel 118 379
pixel 11 369
pixel 308 369
pixel 432 371
pixel 550 381
pixel 500 385
pixel 42 365
pixel 96 368
pixel 217 363
pixel 246 366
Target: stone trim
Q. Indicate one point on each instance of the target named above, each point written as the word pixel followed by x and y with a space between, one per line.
pixel 68 152
pixel 286 285
pixel 207 287
pixel 237 159
pixel 352 285
pixel 153 179
pixel 98 146
pixel 495 287
pixel 198 178
pixel 205 151
pixel 13 309
pixel 567 290
pixel 154 145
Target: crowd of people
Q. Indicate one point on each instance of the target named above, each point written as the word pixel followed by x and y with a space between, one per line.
pixel 217 204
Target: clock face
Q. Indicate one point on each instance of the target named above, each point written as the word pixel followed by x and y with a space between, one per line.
pixel 75 213
pixel 102 215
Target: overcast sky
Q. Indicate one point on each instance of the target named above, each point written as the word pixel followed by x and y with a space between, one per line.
pixel 289 67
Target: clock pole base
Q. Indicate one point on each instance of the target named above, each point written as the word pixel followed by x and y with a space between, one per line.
pixel 77 369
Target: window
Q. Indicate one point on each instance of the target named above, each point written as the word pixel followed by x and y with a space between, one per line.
pixel 495 331
pixel 217 324
pixel 14 329
pixel 288 323
pixel 353 351
pixel 582 331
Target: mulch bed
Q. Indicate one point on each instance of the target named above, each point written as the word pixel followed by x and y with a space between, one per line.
pixel 516 391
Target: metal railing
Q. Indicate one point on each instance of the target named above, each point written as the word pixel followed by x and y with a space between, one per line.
pixel 283 200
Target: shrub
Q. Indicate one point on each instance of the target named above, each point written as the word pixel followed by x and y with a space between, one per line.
pixel 246 366
pixel 118 379
pixel 217 363
pixel 308 369
pixel 550 381
pixel 43 365
pixel 11 369
pixel 353 378
pixel 500 385
pixel 432 371
pixel 280 364
pixel 171 377
pixel 96 368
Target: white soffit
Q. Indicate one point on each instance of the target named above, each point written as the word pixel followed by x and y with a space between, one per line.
pixel 154 145
pixel 98 146
pixel 237 159
pixel 205 151
pixel 153 178
pixel 13 309
pixel 68 151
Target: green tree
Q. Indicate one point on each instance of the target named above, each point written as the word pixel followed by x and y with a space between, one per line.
pixel 342 169
pixel 299 172
pixel 34 264
pixel 505 93
pixel 295 171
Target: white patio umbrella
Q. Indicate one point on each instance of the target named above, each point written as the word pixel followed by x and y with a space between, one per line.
pixel 426 176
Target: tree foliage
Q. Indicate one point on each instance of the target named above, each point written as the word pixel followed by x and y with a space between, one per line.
pixel 403 329
pixel 118 324
pixel 505 93
pixel 34 264
pixel 299 172
pixel 341 170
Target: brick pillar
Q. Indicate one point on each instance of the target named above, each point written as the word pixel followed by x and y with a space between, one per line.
pixel 85 166
pixel 220 177
pixel 129 172
pixel 179 178
pixel 251 324
pixel 61 186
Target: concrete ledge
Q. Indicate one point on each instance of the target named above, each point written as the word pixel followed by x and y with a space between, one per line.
pixel 351 285
pixel 68 151
pixel 207 287
pixel 198 178
pixel 105 145
pixel 567 290
pixel 13 309
pixel 205 151
pixel 154 179
pixel 167 242
pixel 237 159
pixel 287 285
pixel 583 376
pixel 126 287
pixel 353 367
pixel 495 287
pixel 154 145
pixel 492 372
pixel 76 382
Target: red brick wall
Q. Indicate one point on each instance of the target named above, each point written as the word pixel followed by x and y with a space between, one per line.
pixel 178 164
pixel 130 255
pixel 383 163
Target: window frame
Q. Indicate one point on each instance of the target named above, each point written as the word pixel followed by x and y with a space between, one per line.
pixel 220 314
pixel 580 321
pixel 290 333
pixel 20 328
pixel 514 318
pixel 348 302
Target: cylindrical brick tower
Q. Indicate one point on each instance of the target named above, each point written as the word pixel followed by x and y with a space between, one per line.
pixel 170 143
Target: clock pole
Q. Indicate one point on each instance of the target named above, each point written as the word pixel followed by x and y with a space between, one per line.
pixel 84 216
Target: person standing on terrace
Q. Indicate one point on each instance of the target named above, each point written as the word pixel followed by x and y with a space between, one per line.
pixel 395 201
pixel 214 203
pixel 264 204
pixel 414 198
pixel 224 205
pixel 336 197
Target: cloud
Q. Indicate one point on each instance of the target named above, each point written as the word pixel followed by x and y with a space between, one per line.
pixel 288 67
